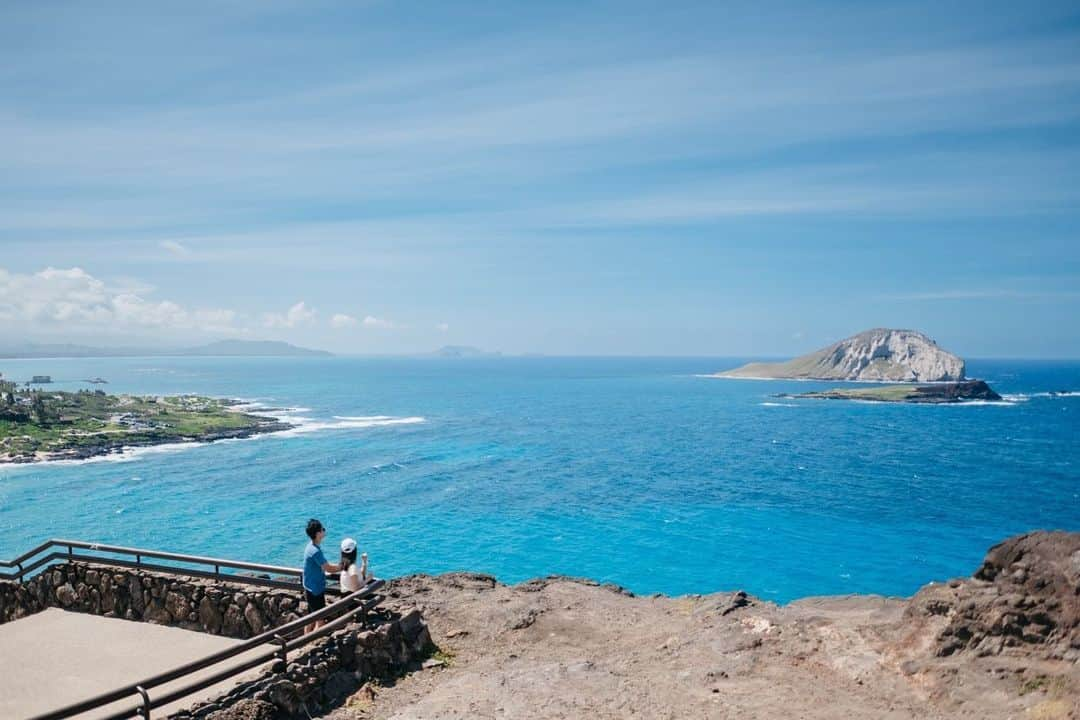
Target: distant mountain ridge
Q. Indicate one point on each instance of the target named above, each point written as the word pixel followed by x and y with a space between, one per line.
pixel 221 348
pixel 881 354
pixel 247 348
pixel 465 351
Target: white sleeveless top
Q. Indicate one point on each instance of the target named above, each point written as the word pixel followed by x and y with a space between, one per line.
pixel 350 579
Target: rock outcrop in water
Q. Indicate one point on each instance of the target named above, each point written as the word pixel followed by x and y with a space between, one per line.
pixel 874 355
pixel 936 394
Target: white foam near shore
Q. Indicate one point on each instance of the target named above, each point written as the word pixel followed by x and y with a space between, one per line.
pixel 1024 397
pixel 303 424
pixel 363 417
pixel 124 454
pixel 300 425
pixel 308 425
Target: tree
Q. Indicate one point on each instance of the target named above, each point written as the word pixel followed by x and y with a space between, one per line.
pixel 38 409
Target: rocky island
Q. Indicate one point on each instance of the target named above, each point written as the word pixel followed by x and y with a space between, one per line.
pixel 955 392
pixel 39 426
pixel 878 355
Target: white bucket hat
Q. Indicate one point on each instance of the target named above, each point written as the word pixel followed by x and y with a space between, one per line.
pixel 348 545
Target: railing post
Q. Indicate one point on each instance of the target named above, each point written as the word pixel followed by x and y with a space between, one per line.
pixel 138 559
pixel 282 654
pixel 20 572
pixel 145 709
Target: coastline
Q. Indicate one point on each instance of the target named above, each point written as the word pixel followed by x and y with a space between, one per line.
pixel 119 445
pixel 279 421
pixel 118 448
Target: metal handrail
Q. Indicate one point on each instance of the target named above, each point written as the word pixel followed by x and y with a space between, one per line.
pixel 276 635
pixel 143 552
pixel 139 553
pixel 246 665
pixel 270 636
pixel 27 555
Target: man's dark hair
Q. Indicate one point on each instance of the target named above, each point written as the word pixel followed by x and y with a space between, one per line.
pixel 313 528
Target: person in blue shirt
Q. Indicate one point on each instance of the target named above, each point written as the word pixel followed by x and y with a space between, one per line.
pixel 315 569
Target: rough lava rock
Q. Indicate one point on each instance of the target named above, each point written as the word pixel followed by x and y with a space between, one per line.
pixel 1023 600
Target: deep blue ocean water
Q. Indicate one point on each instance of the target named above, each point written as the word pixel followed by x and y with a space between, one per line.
pixel 634 471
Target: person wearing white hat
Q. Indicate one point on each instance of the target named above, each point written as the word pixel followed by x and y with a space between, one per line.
pixel 351 578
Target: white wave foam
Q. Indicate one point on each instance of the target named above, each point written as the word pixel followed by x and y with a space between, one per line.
pixel 301 425
pixel 264 410
pixel 776 404
pixel 308 425
pixel 977 403
pixel 363 417
pixel 125 454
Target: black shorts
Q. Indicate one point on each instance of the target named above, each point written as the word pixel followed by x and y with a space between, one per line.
pixel 314 602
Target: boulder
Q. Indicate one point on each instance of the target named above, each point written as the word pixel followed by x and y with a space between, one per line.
pixel 1024 599
pixel 65 595
pixel 177 605
pixel 286 696
pixel 209 616
pixel 156 613
pixel 233 624
pixel 246 710
pixel 339 685
pixel 255 619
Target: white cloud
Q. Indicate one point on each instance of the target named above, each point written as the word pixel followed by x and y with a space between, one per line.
pixel 64 299
pixel 442 327
pixel 174 247
pixel 374 322
pixel 296 316
pixel 983 294
pixel 341 320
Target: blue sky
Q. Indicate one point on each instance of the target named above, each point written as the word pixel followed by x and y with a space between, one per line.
pixel 569 178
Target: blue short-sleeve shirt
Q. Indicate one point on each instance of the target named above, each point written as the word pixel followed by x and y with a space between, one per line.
pixel 314 577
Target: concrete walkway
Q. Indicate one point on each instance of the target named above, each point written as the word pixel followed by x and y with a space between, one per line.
pixel 55 658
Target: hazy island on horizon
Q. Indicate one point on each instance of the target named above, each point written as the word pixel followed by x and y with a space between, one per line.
pixel 220 348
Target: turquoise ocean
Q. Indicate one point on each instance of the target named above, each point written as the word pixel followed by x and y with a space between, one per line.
pixel 633 471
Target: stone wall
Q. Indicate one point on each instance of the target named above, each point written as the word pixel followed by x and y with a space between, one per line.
pixel 317 676
pixel 17 601
pixel 324 674
pixel 221 608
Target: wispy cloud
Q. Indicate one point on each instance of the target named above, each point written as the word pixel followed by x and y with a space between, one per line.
pixel 370 321
pixel 981 294
pixel 341 321
pixel 462 124
pixel 72 299
pixel 296 316
pixel 527 163
pixel 175 248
